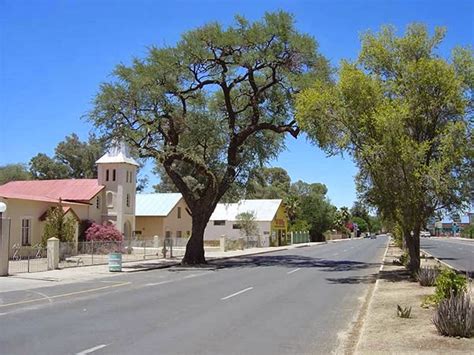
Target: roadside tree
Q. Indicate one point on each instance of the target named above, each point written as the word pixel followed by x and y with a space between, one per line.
pixel 212 107
pixel 404 114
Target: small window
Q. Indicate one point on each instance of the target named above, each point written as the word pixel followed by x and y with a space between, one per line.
pixel 97 202
pixel 179 212
pixel 179 234
pixel 25 231
pixel 236 226
pixel 107 175
pixel 128 200
pixel 219 223
pixel 266 232
pixel 188 234
pixel 110 199
pixel 114 175
pixel 167 234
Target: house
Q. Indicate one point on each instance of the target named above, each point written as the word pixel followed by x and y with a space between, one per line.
pixel 109 198
pixel 270 219
pixel 163 215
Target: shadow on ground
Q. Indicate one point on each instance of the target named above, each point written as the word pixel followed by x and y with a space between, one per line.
pixel 291 261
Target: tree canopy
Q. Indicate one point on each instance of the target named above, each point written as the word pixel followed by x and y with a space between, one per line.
pixel 404 114
pixel 73 159
pixel 13 172
pixel 212 107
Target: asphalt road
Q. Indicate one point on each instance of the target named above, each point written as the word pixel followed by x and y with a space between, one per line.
pixel 456 252
pixel 289 302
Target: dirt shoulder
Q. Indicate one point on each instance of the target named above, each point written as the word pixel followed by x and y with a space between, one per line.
pixel 384 332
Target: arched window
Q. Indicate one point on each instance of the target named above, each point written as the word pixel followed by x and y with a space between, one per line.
pixel 97 202
pixel 110 199
pixel 128 200
pixel 114 174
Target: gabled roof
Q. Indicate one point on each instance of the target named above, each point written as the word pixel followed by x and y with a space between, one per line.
pixel 156 204
pixel 117 154
pixel 66 210
pixel 264 210
pixel 74 190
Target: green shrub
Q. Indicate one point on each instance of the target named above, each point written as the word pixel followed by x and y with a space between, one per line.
pixel 404 258
pixel 454 316
pixel 448 284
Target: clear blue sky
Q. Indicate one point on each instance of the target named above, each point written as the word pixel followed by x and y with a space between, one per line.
pixel 54 55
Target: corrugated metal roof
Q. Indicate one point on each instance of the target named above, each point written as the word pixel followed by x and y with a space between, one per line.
pixel 157 204
pixel 264 210
pixel 51 190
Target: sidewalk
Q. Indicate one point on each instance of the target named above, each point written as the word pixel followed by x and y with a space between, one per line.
pixel 26 281
pixel 383 332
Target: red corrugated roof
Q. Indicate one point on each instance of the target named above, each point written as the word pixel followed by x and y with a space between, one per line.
pixel 77 190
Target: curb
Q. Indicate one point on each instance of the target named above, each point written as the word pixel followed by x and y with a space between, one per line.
pixel 364 308
pixel 426 254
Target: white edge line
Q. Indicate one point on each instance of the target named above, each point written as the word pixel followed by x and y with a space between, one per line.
pixel 292 271
pixel 88 351
pixel 237 293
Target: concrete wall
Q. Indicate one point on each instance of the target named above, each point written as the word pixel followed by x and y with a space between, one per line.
pixel 151 226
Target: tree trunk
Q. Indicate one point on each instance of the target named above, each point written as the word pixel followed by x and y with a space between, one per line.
pixel 195 248
pixel 413 245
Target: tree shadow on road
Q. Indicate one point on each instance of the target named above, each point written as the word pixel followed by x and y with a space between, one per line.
pixel 291 261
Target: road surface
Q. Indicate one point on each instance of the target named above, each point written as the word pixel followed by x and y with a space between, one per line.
pixel 457 253
pixel 288 302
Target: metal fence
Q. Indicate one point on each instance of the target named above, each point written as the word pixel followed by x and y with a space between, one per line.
pixel 27 259
pixel 95 253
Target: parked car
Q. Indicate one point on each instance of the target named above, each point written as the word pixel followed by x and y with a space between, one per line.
pixel 425 234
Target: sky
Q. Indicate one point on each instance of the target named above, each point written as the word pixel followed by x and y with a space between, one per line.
pixel 55 54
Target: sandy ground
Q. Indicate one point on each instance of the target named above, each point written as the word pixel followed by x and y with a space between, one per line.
pixel 384 332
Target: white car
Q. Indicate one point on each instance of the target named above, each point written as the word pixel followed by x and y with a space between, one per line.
pixel 425 234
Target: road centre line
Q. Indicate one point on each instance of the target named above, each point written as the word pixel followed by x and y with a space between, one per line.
pixel 292 271
pixel 159 283
pixel 91 350
pixel 237 293
pixel 64 295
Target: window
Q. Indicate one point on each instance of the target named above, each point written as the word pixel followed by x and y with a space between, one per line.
pixel 110 199
pixel 107 175
pixel 236 226
pixel 179 212
pixel 128 200
pixel 179 234
pixel 25 231
pixel 219 223
pixel 114 175
pixel 188 234
pixel 97 202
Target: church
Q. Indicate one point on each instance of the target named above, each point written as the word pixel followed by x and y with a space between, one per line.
pixel 109 198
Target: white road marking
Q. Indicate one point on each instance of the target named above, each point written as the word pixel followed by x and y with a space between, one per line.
pixel 159 283
pixel 292 271
pixel 195 275
pixel 237 293
pixel 91 350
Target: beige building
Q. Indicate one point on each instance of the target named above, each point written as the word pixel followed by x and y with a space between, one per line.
pixel 163 215
pixel 110 198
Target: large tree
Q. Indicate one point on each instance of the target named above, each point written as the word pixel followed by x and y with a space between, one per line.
pixel 212 107
pixel 73 159
pixel 268 183
pixel 403 113
pixel 13 172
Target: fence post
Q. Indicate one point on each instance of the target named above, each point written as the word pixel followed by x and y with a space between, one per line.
pixel 291 240
pixel 53 253
pixel 222 243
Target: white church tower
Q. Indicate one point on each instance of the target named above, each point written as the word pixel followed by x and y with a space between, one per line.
pixel 117 171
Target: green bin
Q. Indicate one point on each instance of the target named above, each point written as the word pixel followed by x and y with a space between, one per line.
pixel 115 262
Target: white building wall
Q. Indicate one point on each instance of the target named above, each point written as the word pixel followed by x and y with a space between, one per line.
pixel 214 232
